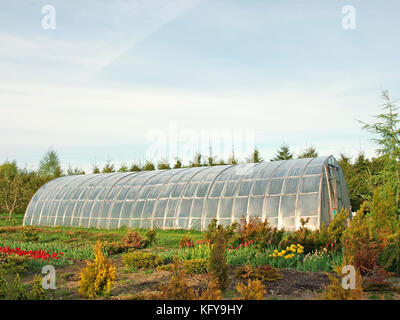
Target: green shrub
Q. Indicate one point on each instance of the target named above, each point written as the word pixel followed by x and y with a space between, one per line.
pixel 338 226
pixel 98 276
pixel 260 232
pixel 3 284
pixel 389 258
pixel 141 260
pixel 383 216
pixel 177 287
pixel 133 240
pixel 151 236
pixel 196 266
pixel 115 247
pixel 211 291
pixel 310 240
pixel 213 230
pixel 263 273
pixel 166 267
pixel 30 235
pixel 15 291
pixel 217 265
pixel 14 264
pixel 186 242
pixel 254 290
pixel 37 292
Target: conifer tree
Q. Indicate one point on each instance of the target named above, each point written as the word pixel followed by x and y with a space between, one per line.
pixel 283 153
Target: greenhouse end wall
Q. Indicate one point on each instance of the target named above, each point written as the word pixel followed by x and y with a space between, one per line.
pixel 281 191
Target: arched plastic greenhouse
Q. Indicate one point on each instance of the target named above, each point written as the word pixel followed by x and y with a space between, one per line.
pixel 281 191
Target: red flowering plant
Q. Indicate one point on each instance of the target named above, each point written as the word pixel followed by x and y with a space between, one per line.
pixel 34 254
pixel 243 245
pixel 186 242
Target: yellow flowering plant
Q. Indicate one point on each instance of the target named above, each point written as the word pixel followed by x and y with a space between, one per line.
pixel 288 253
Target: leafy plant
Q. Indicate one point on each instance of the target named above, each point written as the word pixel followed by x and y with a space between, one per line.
pixel 15 264
pixel 254 290
pixel 15 291
pixel 214 230
pixel 98 276
pixel 390 255
pixel 196 266
pixel 335 291
pixel 337 227
pixel 140 260
pixel 177 287
pixel 212 291
pixel 151 236
pixel 217 265
pixel 383 218
pixel 260 232
pixel 360 249
pixel 263 273
pixel 133 240
pixel 310 240
pixel 37 292
pixel 3 284
pixel 186 241
pixel 30 235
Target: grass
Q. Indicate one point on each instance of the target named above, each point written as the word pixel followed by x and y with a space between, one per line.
pixel 88 236
pixel 16 220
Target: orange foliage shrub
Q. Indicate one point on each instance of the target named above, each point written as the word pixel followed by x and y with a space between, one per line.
pixel 254 290
pixel 260 232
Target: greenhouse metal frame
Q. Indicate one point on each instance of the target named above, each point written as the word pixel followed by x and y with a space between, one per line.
pixel 189 198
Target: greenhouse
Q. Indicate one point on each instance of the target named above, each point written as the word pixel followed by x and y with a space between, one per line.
pixel 281 191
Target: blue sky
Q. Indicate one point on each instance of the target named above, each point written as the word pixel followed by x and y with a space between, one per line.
pixel 114 75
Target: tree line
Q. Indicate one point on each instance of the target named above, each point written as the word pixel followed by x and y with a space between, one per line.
pixel 363 175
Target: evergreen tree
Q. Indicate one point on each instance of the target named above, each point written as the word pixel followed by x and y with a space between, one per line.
pixel 211 159
pixel 387 136
pixel 254 157
pixel 283 153
pixel 50 165
pixel 232 159
pixel 163 165
pixel 309 152
pixel 178 163
pixel 135 167
pixel 149 166
pixel 196 160
pixel 123 168
pixel 75 171
pixel 109 167
pixel 95 169
pixel 221 162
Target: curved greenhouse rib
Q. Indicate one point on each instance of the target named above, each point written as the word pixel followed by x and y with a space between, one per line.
pixel 235 196
pixel 138 193
pixel 296 217
pixel 203 218
pixel 131 175
pixel 178 206
pixel 78 186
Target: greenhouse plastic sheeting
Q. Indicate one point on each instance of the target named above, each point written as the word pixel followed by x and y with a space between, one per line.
pixel 281 191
